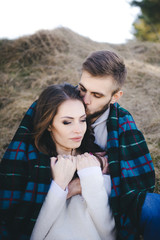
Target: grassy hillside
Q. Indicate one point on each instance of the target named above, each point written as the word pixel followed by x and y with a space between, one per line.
pixel 29 64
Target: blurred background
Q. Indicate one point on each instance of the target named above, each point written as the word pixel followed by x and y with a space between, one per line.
pixel 46 42
pixel 102 21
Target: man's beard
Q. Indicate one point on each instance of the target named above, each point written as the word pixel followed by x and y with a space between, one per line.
pixel 92 117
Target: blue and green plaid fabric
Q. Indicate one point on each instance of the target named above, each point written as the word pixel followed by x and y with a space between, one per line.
pixel 25 177
pixel 131 169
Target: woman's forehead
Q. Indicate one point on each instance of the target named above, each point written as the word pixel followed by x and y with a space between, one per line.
pixel 71 108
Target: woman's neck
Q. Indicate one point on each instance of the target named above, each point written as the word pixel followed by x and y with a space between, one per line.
pixel 66 152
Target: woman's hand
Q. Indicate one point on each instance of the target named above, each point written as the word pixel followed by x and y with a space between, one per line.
pixel 86 160
pixel 63 169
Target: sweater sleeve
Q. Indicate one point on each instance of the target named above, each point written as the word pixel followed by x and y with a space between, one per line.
pixel 95 191
pixel 50 210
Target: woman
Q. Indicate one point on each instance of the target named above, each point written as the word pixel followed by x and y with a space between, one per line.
pixel 32 179
pixel 59 132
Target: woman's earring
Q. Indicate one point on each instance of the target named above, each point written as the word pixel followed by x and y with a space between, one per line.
pixel 49 128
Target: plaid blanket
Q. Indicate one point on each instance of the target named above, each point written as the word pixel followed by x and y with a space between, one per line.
pixel 131 170
pixel 25 177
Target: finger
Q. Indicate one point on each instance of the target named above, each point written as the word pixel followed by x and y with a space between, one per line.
pixel 78 161
pixel 74 160
pixel 105 169
pixel 95 160
pixel 79 157
pixel 53 160
pixel 70 157
pixel 92 157
pixel 60 157
pixel 69 195
pixel 101 154
pixel 86 154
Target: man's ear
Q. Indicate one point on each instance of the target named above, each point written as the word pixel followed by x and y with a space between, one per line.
pixel 116 96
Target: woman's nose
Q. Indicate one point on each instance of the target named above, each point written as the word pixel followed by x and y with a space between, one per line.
pixel 77 128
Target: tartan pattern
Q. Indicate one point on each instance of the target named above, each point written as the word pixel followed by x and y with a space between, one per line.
pixel 25 177
pixel 131 170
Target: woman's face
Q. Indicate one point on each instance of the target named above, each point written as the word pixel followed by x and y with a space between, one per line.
pixel 68 126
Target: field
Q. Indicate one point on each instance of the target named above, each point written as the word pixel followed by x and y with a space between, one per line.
pixel 29 64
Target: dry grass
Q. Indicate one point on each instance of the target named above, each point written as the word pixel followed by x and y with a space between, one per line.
pixel 29 64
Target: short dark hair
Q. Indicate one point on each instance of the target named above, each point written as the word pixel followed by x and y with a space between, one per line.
pixel 106 63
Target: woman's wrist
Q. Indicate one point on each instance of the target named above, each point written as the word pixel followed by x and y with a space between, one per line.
pixel 60 183
pixel 56 188
pixel 89 171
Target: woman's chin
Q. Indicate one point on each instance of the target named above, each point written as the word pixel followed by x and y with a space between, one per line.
pixel 75 145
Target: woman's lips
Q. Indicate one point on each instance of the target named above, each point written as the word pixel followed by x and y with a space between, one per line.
pixel 76 139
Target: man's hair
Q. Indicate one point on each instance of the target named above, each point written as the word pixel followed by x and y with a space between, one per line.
pixel 106 63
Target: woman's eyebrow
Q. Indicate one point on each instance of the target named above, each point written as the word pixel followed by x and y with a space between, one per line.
pixel 84 115
pixel 67 117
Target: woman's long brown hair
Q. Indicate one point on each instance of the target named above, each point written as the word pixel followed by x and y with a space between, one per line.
pixel 47 106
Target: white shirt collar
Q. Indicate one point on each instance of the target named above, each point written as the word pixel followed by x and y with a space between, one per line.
pixel 102 118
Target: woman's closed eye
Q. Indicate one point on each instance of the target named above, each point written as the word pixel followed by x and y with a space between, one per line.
pixel 69 122
pixel 83 120
pixel 66 122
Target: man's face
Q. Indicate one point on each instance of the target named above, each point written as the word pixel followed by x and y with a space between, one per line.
pixel 96 92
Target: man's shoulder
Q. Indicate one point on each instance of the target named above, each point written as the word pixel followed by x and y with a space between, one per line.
pixel 119 111
pixel 120 118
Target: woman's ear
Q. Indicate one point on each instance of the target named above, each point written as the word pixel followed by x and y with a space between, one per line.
pixel 116 96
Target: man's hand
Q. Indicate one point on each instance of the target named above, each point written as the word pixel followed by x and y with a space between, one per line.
pixel 104 159
pixel 74 188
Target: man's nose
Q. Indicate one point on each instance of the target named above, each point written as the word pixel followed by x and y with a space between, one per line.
pixel 87 99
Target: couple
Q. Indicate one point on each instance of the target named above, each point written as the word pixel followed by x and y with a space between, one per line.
pixel 27 178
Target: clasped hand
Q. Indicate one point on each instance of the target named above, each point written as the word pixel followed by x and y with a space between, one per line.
pixel 63 167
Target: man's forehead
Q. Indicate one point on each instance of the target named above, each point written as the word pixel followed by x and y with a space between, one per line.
pixel 98 84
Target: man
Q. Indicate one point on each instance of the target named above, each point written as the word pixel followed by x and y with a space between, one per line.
pixel 130 164
pixel 135 209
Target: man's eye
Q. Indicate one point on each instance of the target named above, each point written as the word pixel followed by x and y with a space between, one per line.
pixel 66 122
pixel 97 96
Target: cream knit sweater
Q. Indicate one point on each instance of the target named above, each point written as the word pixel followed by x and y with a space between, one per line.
pixel 86 217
